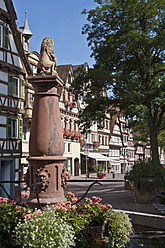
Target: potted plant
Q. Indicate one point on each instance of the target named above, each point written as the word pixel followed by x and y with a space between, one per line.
pixel 100 175
pixel 109 169
pixel 99 169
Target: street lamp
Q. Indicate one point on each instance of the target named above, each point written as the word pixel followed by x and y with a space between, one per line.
pixel 86 152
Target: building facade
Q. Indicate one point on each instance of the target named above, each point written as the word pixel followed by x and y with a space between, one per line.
pixel 14 70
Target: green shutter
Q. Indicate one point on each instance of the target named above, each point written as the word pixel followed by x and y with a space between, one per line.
pixel 9 127
pixel 10 85
pixel 6 38
pixel 22 90
pixel 20 128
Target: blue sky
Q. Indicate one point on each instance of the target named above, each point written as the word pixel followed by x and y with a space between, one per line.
pixel 61 20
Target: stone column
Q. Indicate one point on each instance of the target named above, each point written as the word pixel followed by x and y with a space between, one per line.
pixel 46 144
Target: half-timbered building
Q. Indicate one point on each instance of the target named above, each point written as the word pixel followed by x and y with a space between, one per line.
pixel 14 69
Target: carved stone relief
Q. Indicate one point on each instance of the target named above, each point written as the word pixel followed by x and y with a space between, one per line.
pixel 64 178
pixel 43 176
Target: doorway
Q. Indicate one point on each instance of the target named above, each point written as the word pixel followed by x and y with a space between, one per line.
pixel 76 167
pixel 7 174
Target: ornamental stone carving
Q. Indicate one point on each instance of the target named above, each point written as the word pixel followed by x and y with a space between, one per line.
pixel 48 62
pixel 43 176
pixel 64 178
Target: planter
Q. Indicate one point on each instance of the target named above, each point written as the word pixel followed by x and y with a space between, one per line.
pixel 147 191
pixel 100 175
pixel 99 230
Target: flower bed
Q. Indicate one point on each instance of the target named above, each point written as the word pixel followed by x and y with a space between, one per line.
pixel 68 224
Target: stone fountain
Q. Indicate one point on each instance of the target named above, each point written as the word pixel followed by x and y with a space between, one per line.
pixel 46 146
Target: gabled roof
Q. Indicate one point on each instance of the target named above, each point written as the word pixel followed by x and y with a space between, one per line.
pixel 16 36
pixel 63 72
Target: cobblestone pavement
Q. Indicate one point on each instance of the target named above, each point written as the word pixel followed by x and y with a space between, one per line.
pixel 111 192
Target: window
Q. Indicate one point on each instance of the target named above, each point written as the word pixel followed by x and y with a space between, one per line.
pixel 66 95
pixel 72 124
pixel 69 165
pixel 62 122
pixel 69 148
pixel 67 123
pixel 69 79
pixel 64 147
pixel 6 38
pixel 117 168
pixel 16 86
pixel 34 68
pixel 125 138
pixel 25 45
pixel 24 132
pixel 1 36
pixel 61 97
pixel 31 100
pixel 76 127
pixel 12 128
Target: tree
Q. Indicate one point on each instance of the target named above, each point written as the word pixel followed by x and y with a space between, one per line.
pixel 127 38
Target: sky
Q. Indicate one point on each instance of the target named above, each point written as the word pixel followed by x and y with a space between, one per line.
pixel 62 21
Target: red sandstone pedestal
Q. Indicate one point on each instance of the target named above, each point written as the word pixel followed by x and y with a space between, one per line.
pixel 46 144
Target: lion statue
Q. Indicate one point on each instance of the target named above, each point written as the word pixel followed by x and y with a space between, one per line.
pixel 48 62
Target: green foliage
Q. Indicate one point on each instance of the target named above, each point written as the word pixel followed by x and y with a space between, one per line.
pixel 10 215
pixel 127 39
pixel 148 170
pixel 99 168
pixel 120 229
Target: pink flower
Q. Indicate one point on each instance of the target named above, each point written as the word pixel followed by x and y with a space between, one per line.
pixel 74 199
pixel 109 205
pixel 87 206
pixel 27 216
pixel 70 194
pixel 17 207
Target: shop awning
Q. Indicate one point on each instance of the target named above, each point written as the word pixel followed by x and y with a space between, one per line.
pixel 96 156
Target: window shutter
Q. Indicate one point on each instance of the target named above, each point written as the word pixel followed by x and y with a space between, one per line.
pixel 20 128
pixel 10 85
pixel 9 129
pixel 6 38
pixel 22 90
